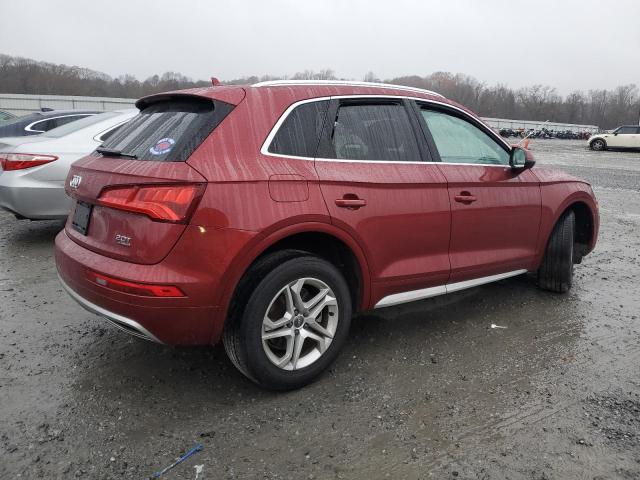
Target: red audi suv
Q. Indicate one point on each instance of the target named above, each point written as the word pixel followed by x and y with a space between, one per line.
pixel 265 216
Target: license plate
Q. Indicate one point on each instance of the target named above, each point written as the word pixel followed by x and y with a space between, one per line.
pixel 81 216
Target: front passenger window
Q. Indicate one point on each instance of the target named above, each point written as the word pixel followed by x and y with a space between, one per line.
pixel 459 141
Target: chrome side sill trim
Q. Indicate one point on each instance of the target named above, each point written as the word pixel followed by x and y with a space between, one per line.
pixel 122 323
pixel 405 297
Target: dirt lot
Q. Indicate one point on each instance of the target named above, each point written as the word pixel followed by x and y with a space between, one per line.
pixel 425 390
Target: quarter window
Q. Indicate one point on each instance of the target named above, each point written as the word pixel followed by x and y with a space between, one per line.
pixel 299 134
pixel 374 132
pixel 459 141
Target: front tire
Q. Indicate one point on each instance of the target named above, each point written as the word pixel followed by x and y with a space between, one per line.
pixel 598 145
pixel 295 320
pixel 556 271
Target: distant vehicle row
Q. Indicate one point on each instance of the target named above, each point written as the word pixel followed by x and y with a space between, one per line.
pixel 543 133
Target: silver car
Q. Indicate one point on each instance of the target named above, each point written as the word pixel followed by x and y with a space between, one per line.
pixel 33 169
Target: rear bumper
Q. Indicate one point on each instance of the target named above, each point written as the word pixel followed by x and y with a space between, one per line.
pixel 123 323
pixel 175 321
pixel 37 202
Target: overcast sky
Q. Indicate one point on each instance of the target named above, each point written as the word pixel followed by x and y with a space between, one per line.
pixel 569 44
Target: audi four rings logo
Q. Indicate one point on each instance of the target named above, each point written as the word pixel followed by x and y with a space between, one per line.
pixel 75 181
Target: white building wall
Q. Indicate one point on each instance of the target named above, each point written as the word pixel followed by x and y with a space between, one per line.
pixel 19 104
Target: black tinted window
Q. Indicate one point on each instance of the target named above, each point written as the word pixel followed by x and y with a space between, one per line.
pixel 169 130
pixel 300 132
pixel 626 130
pixel 374 132
pixel 43 126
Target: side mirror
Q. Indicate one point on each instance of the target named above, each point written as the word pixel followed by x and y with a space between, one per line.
pixel 521 159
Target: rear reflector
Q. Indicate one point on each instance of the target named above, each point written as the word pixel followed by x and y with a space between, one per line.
pixel 143 289
pixel 20 161
pixel 169 203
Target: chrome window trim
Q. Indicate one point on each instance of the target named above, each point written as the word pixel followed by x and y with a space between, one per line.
pixel 264 150
pixel 28 127
pixel 98 136
pixel 413 295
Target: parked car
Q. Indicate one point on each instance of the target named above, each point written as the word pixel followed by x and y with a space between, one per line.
pixel 5 116
pixel 627 136
pixel 33 169
pixel 39 122
pixel 266 215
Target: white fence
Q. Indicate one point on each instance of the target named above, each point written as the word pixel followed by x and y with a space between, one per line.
pixel 499 123
pixel 19 104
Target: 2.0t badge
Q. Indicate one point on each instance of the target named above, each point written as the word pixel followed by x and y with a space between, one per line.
pixel 123 240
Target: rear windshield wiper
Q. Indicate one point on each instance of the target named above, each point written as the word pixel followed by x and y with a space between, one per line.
pixel 110 152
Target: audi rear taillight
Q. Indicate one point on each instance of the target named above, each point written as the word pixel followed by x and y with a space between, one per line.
pixel 20 161
pixel 144 289
pixel 168 203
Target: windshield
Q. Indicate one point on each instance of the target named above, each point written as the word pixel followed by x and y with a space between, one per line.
pixel 79 124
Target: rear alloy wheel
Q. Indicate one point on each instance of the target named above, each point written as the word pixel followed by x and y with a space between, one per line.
pixel 295 321
pixel 300 323
pixel 598 145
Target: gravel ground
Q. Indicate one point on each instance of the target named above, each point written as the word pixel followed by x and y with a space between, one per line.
pixel 425 390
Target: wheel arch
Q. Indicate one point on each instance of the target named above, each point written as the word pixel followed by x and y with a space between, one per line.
pixel 587 224
pixel 321 239
pixel 598 138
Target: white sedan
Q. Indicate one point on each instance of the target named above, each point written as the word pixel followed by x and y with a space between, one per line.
pixel 627 136
pixel 33 169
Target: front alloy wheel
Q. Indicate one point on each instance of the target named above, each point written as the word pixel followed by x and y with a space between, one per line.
pixel 598 145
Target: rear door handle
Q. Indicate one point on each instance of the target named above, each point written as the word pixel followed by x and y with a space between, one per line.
pixel 465 197
pixel 351 202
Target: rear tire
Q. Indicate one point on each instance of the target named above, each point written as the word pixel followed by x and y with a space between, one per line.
pixel 276 335
pixel 556 271
pixel 598 145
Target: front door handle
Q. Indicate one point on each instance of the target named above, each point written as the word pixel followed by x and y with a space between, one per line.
pixel 465 197
pixel 351 201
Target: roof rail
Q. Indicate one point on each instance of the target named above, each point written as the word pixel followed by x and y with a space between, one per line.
pixel 275 83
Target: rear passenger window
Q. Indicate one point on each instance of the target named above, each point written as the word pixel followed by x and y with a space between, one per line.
pixel 299 134
pixel 374 132
pixel 169 130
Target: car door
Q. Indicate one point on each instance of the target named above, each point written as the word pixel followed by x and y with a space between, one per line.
pixel 495 210
pixel 379 189
pixel 621 137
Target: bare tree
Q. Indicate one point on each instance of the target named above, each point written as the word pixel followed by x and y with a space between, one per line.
pixel 605 108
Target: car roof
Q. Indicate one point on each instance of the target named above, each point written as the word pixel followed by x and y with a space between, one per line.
pixel 302 89
pixel 57 113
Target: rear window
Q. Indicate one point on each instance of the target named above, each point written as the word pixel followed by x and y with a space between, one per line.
pixel 74 125
pixel 169 130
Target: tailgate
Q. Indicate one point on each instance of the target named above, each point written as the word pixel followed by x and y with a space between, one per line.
pixel 123 235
